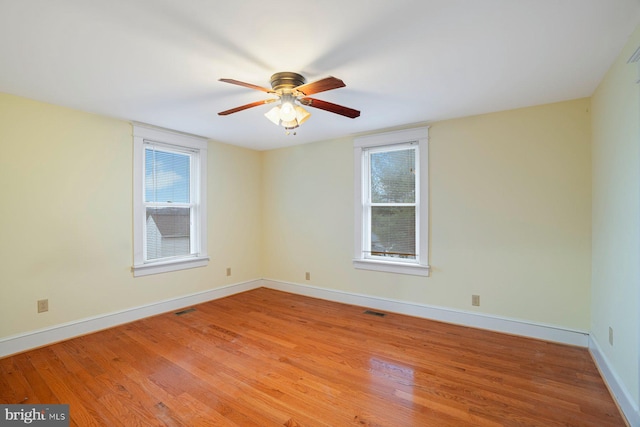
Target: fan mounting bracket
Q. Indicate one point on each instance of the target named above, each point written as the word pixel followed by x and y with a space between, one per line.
pixel 286 81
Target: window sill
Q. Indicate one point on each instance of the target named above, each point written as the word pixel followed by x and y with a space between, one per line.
pixel 166 266
pixel 392 267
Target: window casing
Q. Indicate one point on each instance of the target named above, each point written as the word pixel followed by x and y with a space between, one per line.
pixel 391 202
pixel 170 228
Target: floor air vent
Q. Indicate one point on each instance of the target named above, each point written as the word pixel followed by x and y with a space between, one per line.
pixel 188 310
pixel 374 313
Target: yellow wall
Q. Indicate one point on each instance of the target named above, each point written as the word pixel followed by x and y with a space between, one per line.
pixel 510 217
pixel 66 218
pixel 616 217
pixel 510 206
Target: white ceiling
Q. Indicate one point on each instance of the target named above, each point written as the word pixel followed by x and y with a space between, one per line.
pixel 403 61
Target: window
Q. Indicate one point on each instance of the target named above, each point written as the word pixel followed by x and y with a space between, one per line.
pixel 391 202
pixel 170 228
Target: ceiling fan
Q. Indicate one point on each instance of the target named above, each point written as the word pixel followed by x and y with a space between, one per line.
pixel 292 90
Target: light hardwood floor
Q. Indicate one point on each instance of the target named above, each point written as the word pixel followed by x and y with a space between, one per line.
pixel 268 358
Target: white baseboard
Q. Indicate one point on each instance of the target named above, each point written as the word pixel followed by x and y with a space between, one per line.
pixel 459 317
pixel 30 340
pixel 620 393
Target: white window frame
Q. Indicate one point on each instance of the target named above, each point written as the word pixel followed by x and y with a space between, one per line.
pixel 197 147
pixel 361 146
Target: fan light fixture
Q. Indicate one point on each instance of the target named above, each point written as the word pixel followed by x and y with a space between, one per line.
pixel 288 114
pixel 292 90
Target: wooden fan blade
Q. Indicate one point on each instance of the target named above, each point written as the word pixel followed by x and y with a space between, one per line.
pixel 322 85
pixel 333 108
pixel 249 85
pixel 244 107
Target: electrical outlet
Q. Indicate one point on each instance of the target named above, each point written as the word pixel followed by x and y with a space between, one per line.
pixel 43 305
pixel 475 300
pixel 228 271
pixel 610 335
pixel 307 275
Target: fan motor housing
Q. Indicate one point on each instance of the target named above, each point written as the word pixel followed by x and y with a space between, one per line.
pixel 286 80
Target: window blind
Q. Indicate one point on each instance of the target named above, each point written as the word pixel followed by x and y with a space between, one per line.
pixel 167 196
pixel 392 200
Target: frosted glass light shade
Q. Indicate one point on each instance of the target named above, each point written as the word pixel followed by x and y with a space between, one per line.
pixel 274 115
pixel 301 114
pixel 290 124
